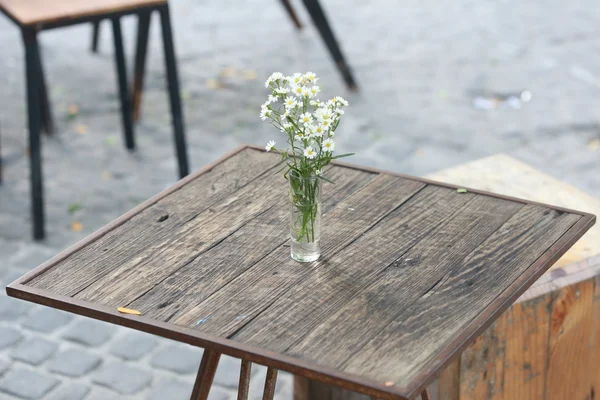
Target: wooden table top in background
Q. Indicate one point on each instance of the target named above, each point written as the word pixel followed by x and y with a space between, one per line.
pixel 411 271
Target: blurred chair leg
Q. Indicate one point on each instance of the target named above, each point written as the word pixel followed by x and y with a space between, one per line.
pixel 95 35
pixel 290 10
pixel 174 95
pixel 34 122
pixel 140 62
pixel 123 85
pixel 320 21
pixel 46 110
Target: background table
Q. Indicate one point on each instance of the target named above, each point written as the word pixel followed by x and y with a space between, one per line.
pixel 411 271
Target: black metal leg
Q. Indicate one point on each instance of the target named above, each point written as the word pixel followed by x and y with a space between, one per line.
pixel 46 110
pixel 140 62
pixel 320 21
pixel 123 86
pixel 176 111
pixel 33 110
pixel 290 10
pixel 95 35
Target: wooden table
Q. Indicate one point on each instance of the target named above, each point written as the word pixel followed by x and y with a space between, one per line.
pixel 411 272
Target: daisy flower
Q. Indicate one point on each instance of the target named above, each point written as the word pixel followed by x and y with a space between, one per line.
pixel 282 91
pixel 314 90
pixel 296 79
pixel 297 90
pixel 275 76
pixel 306 118
pixel 290 102
pixel 300 136
pixel 306 92
pixel 318 131
pixel 309 153
pixel 315 103
pixel 318 172
pixel 285 127
pixel 265 113
pixel 310 77
pixel 329 145
pixel 285 115
pixel 326 123
pixel 270 145
pixel 272 99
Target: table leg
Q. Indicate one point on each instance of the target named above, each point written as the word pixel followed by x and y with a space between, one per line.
pixel 123 86
pixel 270 383
pixel 174 95
pixel 244 385
pixel 425 395
pixel 141 50
pixel 290 10
pixel 34 119
pixel 206 374
pixel 95 35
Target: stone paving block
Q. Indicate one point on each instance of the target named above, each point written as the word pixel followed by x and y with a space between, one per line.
pixel 69 391
pixel 12 309
pixel 27 384
pixel 33 255
pixel 172 390
pixel 228 372
pixel 122 378
pixel 4 364
pixel 34 351
pixel 9 336
pixel 89 332
pixel 46 319
pixel 133 346
pixel 178 358
pixel 73 362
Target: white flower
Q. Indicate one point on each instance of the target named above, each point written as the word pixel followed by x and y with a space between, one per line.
pixel 309 153
pixel 265 113
pixel 282 91
pixel 270 145
pixel 296 79
pixel 329 145
pixel 285 115
pixel 310 77
pixel 306 118
pixel 326 123
pixel 272 99
pixel 297 90
pixel 339 111
pixel 285 127
pixel 273 78
pixel 306 92
pixel 318 131
pixel 318 172
pixel 300 136
pixel 340 100
pixel 315 103
pixel 323 114
pixel 314 90
pixel 290 102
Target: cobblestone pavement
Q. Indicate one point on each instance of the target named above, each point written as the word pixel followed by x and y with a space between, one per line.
pixel 426 70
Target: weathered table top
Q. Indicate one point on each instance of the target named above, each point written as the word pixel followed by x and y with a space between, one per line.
pixel 411 271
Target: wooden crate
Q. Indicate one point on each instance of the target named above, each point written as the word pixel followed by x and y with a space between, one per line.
pixel 545 347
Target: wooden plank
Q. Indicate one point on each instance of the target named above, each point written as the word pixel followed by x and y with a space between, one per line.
pixel 404 348
pixel 249 294
pixel 505 175
pixel 131 238
pixel 570 362
pixel 373 272
pixel 40 11
pixel 216 267
pixel 526 360
pixel 449 381
pixel 595 372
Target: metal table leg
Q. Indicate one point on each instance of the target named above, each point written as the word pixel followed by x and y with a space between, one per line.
pixel 206 374
pixel 141 50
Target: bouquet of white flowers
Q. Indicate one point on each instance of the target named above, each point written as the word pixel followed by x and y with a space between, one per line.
pixel 309 126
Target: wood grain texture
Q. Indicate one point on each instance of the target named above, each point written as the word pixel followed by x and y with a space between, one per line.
pixel 29 12
pixel 363 296
pixel 505 175
pixel 571 328
pixel 481 370
pixel 397 352
pixel 526 341
pixel 214 268
pixel 131 241
pixel 255 290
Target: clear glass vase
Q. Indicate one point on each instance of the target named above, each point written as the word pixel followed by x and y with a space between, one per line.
pixel 305 223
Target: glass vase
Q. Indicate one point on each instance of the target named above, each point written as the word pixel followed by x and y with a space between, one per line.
pixel 305 217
